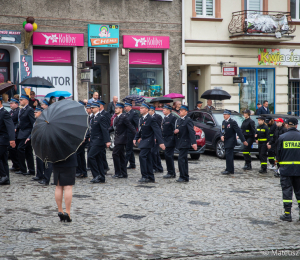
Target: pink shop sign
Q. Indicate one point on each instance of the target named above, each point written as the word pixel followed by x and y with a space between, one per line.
pixel 146 42
pixel 58 39
pixel 145 58
pixel 59 56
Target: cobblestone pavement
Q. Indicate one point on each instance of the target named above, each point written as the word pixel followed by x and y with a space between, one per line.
pixel 212 216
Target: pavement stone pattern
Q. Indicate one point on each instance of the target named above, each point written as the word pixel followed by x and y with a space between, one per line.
pixel 211 217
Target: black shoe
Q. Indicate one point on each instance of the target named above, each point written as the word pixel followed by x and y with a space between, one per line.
pixel 78 174
pixel 157 171
pixel 52 183
pixel 169 176
pixel 286 217
pixel 14 169
pixel 142 180
pixel 226 173
pixel 245 167
pixel 4 181
pixel 150 181
pixel 262 171
pixel 67 217
pixel 106 170
pixel 131 167
pixel 36 179
pixel 61 216
pixel 19 172
pixel 98 180
pixel 92 180
pixel 117 176
pixel 81 176
pixel 28 173
pixel 181 180
pixel 44 182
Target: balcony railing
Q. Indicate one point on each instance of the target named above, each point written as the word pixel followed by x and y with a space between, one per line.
pixel 261 22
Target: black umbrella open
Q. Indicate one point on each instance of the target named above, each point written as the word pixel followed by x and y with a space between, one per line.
pixel 37 82
pixel 216 94
pixel 59 131
pixel 162 100
pixel 5 87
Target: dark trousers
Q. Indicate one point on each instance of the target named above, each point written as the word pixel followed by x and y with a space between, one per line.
pixel 263 154
pixel 288 185
pixel 146 164
pixel 119 160
pixel 103 158
pixel 129 152
pixel 156 161
pixel 247 151
pixel 95 159
pixel 88 149
pixel 271 156
pixel 13 154
pixel 43 171
pixel 81 162
pixel 169 156
pixel 25 154
pixel 183 163
pixel 229 159
pixel 4 161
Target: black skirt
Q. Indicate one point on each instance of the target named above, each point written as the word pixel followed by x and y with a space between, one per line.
pixel 65 176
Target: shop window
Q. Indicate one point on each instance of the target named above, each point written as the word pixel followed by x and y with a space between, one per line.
pixel 259 86
pixel 294 7
pixel 205 8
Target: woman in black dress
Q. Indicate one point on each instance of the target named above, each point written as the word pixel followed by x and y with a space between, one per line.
pixel 64 178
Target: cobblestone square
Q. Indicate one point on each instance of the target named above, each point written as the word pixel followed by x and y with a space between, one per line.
pixel 211 217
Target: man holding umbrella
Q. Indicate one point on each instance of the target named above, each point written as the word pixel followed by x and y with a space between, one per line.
pixel 26 121
pixel 7 137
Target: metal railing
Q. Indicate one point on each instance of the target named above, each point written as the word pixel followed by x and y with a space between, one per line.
pixel 258 22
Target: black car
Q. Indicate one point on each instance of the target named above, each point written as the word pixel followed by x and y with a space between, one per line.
pixel 211 123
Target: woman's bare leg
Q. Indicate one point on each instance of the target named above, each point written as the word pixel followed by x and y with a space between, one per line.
pixel 59 197
pixel 68 198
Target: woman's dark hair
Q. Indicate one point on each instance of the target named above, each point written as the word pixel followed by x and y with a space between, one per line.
pixel 271 122
pixel 51 100
pixel 61 98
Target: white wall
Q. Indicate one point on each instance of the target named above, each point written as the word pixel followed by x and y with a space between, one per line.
pixel 114 73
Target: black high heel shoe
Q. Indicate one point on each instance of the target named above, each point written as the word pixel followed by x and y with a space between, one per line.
pixel 61 216
pixel 67 217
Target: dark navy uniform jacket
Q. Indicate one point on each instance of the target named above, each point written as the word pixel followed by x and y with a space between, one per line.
pixel 133 118
pixel 148 129
pixel 186 136
pixel 248 128
pixel 99 134
pixel 7 129
pixel 122 126
pixel 14 113
pixel 230 129
pixel 26 121
pixel 168 127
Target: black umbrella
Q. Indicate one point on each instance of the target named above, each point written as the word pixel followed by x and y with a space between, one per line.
pixel 5 87
pixel 59 131
pixel 216 94
pixel 162 100
pixel 37 82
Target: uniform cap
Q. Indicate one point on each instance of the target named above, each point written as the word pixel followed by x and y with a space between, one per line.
pixel 101 102
pixel 38 109
pixel 119 104
pixel 167 107
pixel 261 118
pixel 292 121
pixel 145 105
pixel 81 102
pixel 279 120
pixel 24 96
pixel 0 97
pixel 45 101
pixel 247 111
pixel 127 104
pixel 152 107
pixel 227 112
pixel 13 100
pixel 95 104
pixel 184 107
pixel 88 105
pixel 199 102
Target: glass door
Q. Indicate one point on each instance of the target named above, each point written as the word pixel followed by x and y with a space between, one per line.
pixel 248 90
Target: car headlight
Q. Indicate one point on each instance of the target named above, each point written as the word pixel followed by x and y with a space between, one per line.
pixel 202 135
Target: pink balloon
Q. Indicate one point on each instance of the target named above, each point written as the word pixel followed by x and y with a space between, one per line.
pixel 28 27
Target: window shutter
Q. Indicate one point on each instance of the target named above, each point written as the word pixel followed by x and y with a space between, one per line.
pixel 254 5
pixel 199 7
pixel 209 7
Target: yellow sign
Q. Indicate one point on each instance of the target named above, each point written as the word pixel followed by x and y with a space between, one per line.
pixel 291 144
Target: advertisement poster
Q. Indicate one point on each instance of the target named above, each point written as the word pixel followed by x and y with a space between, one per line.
pixel 284 57
pixel 59 76
pixel 100 35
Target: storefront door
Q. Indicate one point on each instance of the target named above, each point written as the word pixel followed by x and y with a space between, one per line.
pixel 192 93
pixel 4 66
pixel 294 96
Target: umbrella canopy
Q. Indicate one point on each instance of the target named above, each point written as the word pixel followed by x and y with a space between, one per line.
pixel 162 100
pixel 37 82
pixel 5 87
pixel 216 94
pixel 135 98
pixel 58 94
pixel 174 95
pixel 59 131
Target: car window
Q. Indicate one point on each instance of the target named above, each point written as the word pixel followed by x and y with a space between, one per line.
pixel 197 117
pixel 238 118
pixel 206 118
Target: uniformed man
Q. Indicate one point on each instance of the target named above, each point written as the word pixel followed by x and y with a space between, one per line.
pixel 13 152
pixel 45 104
pixel 148 128
pixel 121 126
pixel 7 137
pixel 199 105
pixel 262 138
pixel 185 139
pixel 156 161
pixel 168 127
pixel 288 154
pixel 271 152
pixel 91 116
pixel 248 130
pixel 26 121
pixel 99 140
pixel 229 131
pixel 133 118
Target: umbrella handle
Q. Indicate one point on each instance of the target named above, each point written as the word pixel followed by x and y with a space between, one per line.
pixel 46 121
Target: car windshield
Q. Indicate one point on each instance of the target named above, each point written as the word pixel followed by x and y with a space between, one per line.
pixel 238 118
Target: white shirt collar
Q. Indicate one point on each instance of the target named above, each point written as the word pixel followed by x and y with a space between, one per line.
pixel 168 115
pixel 145 116
pixel 227 119
pixel 182 117
pixel 119 114
pixel 100 111
pixel 1 107
pixel 97 114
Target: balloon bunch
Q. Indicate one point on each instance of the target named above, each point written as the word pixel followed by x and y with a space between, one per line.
pixel 29 25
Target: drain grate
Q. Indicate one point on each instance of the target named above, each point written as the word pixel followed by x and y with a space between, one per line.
pixel 81 196
pixel 197 202
pixel 136 217
pixel 240 191
pixel 145 186
pixel 28 230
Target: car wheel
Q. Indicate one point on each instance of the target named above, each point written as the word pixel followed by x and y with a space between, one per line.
pixel 220 150
pixel 195 156
pixel 112 140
